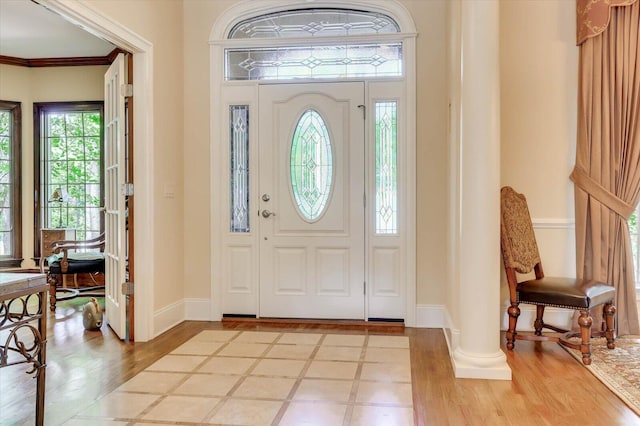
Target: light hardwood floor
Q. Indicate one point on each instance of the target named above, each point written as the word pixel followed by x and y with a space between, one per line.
pixel 548 388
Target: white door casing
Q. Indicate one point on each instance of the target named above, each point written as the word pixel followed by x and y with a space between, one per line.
pixel 312 268
pixel 114 175
pixel 390 260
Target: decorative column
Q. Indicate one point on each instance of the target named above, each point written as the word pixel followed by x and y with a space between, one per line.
pixel 478 353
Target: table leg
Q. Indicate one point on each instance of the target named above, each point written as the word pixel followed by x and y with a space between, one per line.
pixel 42 359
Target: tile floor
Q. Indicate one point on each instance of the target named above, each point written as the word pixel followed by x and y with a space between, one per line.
pixel 230 377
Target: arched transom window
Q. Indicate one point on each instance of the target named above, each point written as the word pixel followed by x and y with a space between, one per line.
pixel 299 59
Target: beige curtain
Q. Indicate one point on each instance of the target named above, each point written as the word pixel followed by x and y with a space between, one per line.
pixel 607 170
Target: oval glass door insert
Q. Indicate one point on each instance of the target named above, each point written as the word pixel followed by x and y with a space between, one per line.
pixel 311 165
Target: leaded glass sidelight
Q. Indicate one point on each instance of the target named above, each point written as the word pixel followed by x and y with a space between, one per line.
pixel 386 167
pixel 311 165
pixel 239 148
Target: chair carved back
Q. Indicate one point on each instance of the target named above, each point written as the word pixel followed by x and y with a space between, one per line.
pixel 517 239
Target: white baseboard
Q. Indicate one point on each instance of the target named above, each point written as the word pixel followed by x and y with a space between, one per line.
pixel 430 316
pixel 559 317
pixel 168 317
pixel 197 310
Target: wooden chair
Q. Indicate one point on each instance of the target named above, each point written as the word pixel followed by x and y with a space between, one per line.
pixel 66 260
pixel 520 255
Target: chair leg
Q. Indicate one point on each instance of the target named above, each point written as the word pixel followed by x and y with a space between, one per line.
pixel 585 321
pixel 539 323
pixel 52 279
pixel 514 313
pixel 609 316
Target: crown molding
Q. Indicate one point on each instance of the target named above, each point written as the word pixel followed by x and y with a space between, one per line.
pixel 61 62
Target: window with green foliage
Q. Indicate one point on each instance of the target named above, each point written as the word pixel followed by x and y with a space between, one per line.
pixel 10 193
pixel 70 172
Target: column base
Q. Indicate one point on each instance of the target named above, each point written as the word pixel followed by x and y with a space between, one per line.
pixel 480 366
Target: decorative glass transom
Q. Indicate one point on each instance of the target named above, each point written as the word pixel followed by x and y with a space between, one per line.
pixel 239 148
pixel 286 63
pixel 386 167
pixel 305 60
pixel 311 165
pixel 314 22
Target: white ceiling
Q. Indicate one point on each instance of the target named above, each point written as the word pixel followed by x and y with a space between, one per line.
pixel 29 30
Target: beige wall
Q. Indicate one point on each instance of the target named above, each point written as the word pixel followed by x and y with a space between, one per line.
pixel 538 80
pixel 538 121
pixel 29 85
pixel 160 22
pixel 539 68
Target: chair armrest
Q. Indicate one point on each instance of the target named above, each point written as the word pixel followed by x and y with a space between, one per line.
pixel 65 245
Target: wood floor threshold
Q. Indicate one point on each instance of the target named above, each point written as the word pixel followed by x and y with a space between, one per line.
pixel 320 323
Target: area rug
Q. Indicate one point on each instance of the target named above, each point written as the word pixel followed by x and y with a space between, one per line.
pixel 618 369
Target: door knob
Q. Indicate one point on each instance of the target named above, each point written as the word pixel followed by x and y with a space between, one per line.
pixel 267 213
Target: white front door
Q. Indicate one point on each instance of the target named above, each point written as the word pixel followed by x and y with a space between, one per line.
pixel 114 175
pixel 311 206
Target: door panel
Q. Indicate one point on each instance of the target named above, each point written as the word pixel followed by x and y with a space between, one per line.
pixel 114 175
pixel 312 241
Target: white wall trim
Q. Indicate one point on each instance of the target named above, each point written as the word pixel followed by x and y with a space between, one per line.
pixel 553 223
pixel 430 316
pixel 197 310
pixel 559 317
pixel 168 317
pixel 106 28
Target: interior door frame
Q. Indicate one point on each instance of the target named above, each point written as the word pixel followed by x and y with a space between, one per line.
pixel 105 27
pixel 247 92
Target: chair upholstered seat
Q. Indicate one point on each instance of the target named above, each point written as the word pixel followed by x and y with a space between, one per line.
pixel 78 263
pixel 564 292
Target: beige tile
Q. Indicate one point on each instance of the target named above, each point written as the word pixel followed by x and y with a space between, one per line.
pixel 384 393
pixel 381 416
pixel 177 363
pixel 256 337
pixel 332 370
pixel 264 387
pixel 215 336
pixel 197 348
pixel 120 405
pixel 290 351
pixel 278 368
pixel 182 409
pixel 152 382
pixel 343 340
pixel 338 353
pixel 244 349
pixel 386 372
pixel 246 412
pixel 389 341
pixel 207 385
pixel 313 414
pixel 393 355
pixel 323 390
pixel 227 365
pixel 79 421
pixel 300 338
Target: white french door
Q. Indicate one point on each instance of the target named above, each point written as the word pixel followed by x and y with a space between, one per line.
pixel 311 200
pixel 114 175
